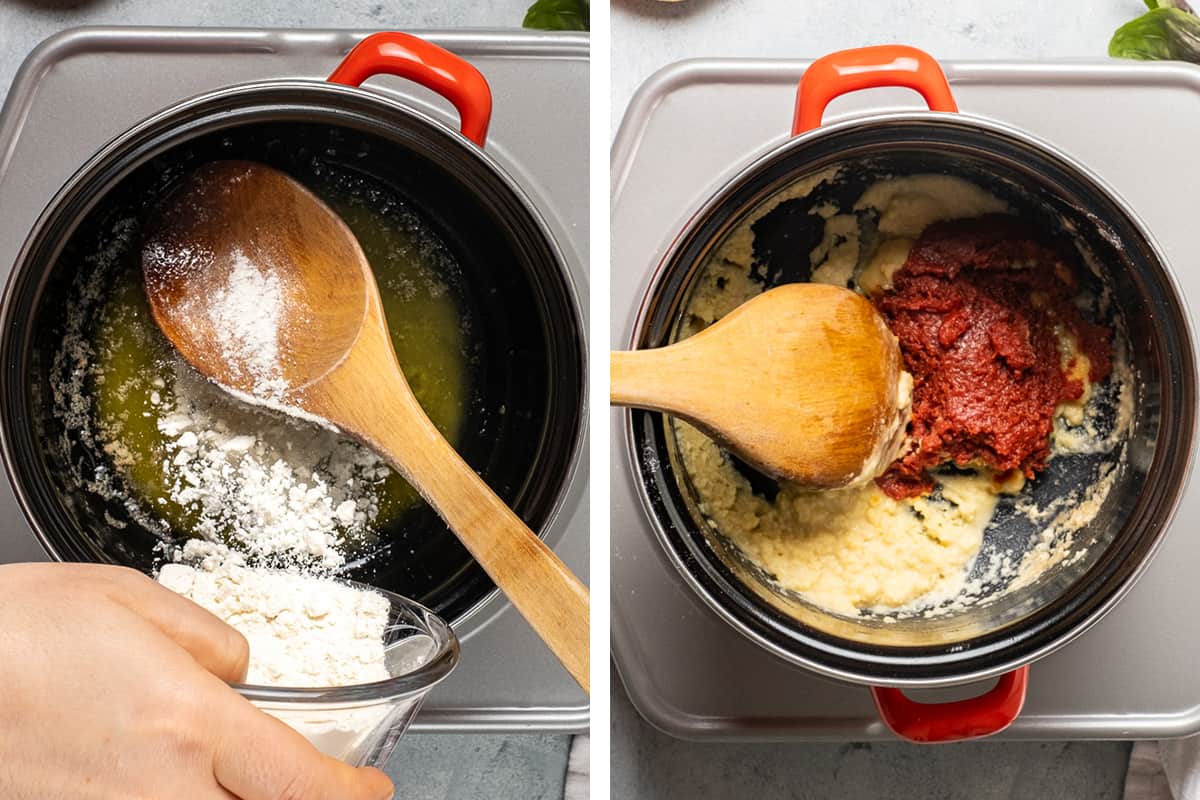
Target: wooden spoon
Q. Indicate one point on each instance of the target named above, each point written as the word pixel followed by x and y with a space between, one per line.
pixel 264 289
pixel 805 382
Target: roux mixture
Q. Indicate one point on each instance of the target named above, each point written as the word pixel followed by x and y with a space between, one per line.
pixel 1001 359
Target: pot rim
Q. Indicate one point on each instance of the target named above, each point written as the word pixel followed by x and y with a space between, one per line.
pixel 481 611
pixel 720 192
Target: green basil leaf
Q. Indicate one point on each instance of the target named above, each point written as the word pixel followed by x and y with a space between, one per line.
pixel 1182 5
pixel 1160 34
pixel 558 15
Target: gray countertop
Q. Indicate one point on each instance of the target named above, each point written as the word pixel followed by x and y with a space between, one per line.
pixel 648 35
pixel 462 767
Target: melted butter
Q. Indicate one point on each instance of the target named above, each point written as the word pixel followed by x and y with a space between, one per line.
pixel 427 327
pixel 133 381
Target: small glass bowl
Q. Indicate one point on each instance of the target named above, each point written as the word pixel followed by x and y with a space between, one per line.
pixel 362 724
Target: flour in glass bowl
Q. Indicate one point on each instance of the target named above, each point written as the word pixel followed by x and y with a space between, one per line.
pixel 303 631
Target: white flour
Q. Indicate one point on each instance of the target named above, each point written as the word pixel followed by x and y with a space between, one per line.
pixel 246 312
pixel 283 492
pixel 303 631
pixel 280 491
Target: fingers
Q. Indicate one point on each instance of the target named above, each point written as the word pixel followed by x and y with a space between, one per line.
pixel 213 644
pixel 260 758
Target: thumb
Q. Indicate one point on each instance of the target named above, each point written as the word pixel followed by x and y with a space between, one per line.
pixel 261 758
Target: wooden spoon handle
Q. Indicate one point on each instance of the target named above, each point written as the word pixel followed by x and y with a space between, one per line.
pixel 661 379
pixel 549 596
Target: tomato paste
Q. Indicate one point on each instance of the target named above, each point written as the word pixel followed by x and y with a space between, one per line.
pixel 979 307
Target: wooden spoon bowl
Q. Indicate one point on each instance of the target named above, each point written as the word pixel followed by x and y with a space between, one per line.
pixel 804 381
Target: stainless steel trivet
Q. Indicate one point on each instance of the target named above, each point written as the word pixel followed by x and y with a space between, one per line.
pixel 82 87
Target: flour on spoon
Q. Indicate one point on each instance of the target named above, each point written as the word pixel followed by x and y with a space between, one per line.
pixel 246 312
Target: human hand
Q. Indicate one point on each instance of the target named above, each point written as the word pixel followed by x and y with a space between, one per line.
pixel 115 687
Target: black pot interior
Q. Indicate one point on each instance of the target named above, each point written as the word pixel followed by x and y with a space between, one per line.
pixel 1008 623
pixel 524 342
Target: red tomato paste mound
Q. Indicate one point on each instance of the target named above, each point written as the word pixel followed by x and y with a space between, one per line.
pixel 976 307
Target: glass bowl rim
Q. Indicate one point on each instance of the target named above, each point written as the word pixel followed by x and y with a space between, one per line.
pixel 410 684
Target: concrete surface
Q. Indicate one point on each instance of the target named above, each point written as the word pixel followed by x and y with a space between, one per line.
pixel 479 767
pixel 424 767
pixel 647 35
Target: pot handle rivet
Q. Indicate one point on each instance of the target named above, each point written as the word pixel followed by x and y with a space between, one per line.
pixel 972 718
pixel 408 56
pixel 869 68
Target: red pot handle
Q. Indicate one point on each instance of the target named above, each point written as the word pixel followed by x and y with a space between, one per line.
pixel 973 718
pixel 869 68
pixel 433 67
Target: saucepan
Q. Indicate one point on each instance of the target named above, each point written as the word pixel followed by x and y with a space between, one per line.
pixel 1011 622
pixel 522 411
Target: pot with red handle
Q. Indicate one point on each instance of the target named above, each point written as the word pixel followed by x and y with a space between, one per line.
pixel 1008 623
pixel 524 354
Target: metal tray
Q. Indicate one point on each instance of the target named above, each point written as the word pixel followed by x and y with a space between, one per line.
pixel 82 87
pixel 690 674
